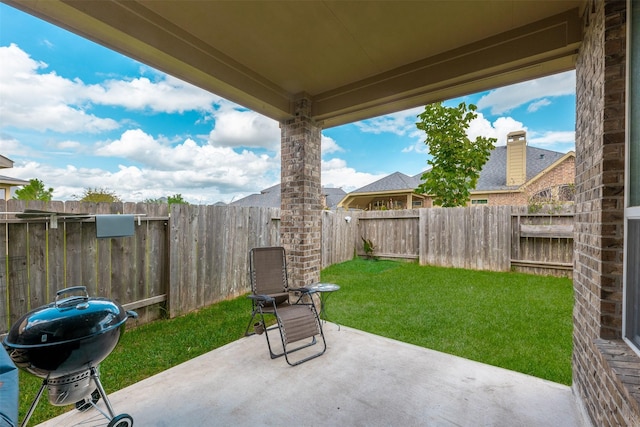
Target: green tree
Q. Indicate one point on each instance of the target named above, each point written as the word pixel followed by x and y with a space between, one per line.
pixel 98 195
pixel 35 190
pixel 456 160
pixel 175 199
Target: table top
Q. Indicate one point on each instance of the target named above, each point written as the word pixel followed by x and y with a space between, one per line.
pixel 324 287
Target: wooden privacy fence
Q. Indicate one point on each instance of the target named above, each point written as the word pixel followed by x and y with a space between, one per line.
pixel 40 257
pixel 209 252
pixel 187 256
pixel 177 261
pixel 474 237
pixel 497 238
pixel 542 243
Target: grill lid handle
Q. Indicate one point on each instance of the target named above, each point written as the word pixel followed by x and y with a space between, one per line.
pixel 73 298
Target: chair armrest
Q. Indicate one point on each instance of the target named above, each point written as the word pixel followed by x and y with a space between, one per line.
pixel 303 290
pixel 261 298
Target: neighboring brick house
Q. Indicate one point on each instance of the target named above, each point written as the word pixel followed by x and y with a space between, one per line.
pixel 515 174
pixel 271 198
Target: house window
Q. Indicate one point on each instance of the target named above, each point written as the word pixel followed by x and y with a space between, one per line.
pixel 567 193
pixel 543 195
pixel 416 203
pixel 632 180
pixel 479 201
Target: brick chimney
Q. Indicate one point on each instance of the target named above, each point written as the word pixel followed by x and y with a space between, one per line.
pixel 516 157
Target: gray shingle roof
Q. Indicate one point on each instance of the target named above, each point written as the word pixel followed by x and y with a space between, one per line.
pixel 492 177
pixel 494 173
pixel 270 198
pixel 334 196
pixel 395 181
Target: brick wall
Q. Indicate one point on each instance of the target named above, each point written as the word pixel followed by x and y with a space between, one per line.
pixel 301 208
pixel 600 357
pixel 563 173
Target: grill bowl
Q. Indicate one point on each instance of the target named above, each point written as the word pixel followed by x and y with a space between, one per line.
pixel 69 335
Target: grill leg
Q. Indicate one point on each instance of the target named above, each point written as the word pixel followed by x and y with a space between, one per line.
pixel 96 379
pixel 33 405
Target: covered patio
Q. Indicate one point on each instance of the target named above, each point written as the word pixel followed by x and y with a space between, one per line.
pixel 362 380
pixel 317 64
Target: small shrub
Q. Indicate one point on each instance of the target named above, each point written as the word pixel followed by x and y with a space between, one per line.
pixel 368 247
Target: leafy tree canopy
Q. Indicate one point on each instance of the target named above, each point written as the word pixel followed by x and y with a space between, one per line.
pixel 98 195
pixel 35 190
pixel 456 160
pixel 175 199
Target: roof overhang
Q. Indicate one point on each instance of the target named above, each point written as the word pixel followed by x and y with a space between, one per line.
pixel 364 198
pixel 5 163
pixel 6 181
pixel 352 59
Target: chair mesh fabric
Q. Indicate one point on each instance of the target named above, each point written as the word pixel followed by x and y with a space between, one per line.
pixel 269 274
pixel 298 322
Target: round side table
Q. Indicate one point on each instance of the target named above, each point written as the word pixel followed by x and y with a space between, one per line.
pixel 324 290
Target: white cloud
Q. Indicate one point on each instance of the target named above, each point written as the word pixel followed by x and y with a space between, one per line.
pixel 553 140
pixel 10 146
pixel 535 106
pixel 400 123
pixel 201 173
pixel 69 145
pixel 35 99
pixel 205 160
pixel 507 98
pixel 31 100
pixel 329 145
pixel 419 147
pixel 244 128
pixel 499 129
pixel 134 144
pixel 167 95
pixel 336 174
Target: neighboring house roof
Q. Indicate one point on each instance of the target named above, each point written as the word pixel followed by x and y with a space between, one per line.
pixel 492 177
pixel 7 180
pixel 5 162
pixel 270 197
pixel 395 181
pixel 334 195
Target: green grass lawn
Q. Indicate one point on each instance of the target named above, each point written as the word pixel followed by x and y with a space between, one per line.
pixel 515 321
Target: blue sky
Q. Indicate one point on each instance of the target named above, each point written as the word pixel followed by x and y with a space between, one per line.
pixel 76 115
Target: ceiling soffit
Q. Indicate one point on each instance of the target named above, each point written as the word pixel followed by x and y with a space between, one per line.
pixel 341 55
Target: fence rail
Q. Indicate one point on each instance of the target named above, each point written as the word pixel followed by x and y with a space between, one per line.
pixel 187 257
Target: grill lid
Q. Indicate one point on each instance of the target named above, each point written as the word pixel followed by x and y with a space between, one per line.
pixel 67 319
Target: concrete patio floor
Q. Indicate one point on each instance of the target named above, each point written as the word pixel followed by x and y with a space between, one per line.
pixel 361 380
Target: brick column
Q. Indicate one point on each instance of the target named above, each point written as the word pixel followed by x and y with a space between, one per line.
pixel 604 367
pixel 301 206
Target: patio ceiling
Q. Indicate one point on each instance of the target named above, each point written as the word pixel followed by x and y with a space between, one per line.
pixel 352 59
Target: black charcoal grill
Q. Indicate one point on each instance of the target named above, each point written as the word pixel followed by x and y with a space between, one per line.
pixel 63 343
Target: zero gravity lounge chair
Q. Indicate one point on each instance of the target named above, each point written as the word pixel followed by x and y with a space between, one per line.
pixel 296 316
